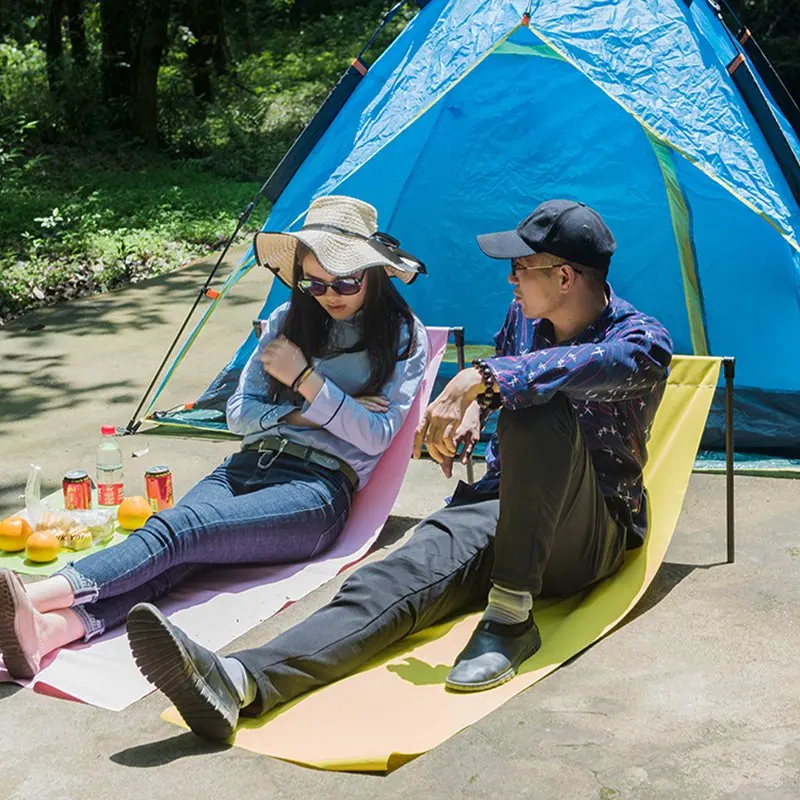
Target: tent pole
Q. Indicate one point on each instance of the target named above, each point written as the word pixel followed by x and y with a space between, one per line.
pixel 134 423
pixel 324 115
pixel 729 365
pixel 458 335
pixel 275 184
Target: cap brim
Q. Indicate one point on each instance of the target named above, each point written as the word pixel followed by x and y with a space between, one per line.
pixel 506 244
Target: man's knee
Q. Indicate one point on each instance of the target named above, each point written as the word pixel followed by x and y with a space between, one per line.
pixel 401 571
pixel 441 544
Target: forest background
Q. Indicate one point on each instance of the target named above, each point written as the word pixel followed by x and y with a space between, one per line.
pixel 132 132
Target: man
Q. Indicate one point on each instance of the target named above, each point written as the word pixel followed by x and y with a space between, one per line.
pixel 579 374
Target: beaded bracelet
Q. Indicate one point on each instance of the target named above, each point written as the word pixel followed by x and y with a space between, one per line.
pixel 487 397
pixel 297 382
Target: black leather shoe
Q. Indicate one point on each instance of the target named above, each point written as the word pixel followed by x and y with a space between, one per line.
pixel 493 654
pixel 191 676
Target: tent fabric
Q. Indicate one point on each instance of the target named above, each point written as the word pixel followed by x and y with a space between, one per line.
pixel 471 118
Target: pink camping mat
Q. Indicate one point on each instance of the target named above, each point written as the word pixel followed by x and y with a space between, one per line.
pixel 217 606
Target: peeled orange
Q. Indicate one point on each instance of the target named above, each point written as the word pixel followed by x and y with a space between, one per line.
pixel 14 532
pixel 133 512
pixel 42 546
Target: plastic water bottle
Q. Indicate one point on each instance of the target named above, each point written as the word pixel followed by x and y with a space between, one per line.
pixel 109 468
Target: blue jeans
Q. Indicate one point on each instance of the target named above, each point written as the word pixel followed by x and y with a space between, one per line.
pixel 245 512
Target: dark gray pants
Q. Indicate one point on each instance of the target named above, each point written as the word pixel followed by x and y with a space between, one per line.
pixel 549 532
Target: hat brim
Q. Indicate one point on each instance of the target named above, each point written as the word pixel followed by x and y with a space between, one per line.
pixel 505 245
pixel 338 255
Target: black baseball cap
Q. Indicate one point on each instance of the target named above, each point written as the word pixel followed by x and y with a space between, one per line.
pixel 564 228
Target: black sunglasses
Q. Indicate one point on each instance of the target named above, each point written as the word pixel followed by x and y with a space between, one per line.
pixel 317 288
pixel 517 267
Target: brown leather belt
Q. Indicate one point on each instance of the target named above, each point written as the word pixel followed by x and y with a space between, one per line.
pixel 277 445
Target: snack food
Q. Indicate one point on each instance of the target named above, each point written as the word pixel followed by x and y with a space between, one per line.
pixel 76 538
pixel 98 521
pixel 48 520
pixel 78 529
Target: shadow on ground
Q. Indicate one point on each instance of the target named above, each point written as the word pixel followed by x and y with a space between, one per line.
pixel 669 575
pixel 45 352
pixel 394 530
pixel 165 751
pixel 8 690
pixel 129 308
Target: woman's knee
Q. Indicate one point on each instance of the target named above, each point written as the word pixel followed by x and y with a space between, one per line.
pixel 162 530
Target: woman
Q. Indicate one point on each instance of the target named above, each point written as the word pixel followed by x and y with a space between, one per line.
pixel 329 385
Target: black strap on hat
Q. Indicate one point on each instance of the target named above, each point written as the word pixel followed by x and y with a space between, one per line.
pixel 386 245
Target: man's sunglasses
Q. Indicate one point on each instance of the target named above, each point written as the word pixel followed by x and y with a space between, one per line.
pixel 516 267
pixel 317 288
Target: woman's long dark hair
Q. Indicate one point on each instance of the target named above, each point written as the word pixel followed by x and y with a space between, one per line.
pixel 383 316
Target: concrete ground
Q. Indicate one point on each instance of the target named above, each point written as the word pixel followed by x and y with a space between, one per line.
pixel 695 696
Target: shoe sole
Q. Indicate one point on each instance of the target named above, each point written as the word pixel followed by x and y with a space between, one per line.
pixel 505 677
pixel 481 687
pixel 15 659
pixel 163 660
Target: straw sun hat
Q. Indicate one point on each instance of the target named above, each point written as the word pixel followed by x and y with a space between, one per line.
pixel 342 232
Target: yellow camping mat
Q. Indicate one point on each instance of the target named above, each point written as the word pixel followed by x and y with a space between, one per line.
pixel 397 707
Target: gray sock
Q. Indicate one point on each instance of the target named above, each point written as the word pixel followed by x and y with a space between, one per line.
pixel 243 681
pixel 507 606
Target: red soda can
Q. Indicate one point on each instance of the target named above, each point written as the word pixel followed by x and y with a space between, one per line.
pixel 158 487
pixel 77 487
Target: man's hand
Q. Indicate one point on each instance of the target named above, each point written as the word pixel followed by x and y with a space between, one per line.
pixel 443 418
pixel 468 434
pixel 283 360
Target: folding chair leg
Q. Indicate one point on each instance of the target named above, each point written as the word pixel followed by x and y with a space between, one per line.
pixel 458 335
pixel 729 365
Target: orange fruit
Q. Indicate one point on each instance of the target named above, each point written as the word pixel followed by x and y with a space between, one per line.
pixel 14 532
pixel 133 512
pixel 42 546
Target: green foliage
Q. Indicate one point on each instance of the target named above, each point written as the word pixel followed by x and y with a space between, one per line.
pixel 23 86
pixel 71 227
pixel 73 223
pixel 776 26
pixel 264 103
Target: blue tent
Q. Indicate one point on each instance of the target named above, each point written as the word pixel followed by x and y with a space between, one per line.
pixel 650 111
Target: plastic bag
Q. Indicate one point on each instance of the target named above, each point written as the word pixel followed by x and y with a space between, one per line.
pixel 98 521
pixel 33 495
pixel 76 530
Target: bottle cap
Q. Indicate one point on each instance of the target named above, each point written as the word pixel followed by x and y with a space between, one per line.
pixel 108 430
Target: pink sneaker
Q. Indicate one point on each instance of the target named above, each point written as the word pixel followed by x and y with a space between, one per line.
pixel 17 627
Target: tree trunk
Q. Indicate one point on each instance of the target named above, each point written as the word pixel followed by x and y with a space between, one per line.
pixel 152 44
pixel 303 10
pixel 208 51
pixel 53 46
pixel 77 32
pixel 115 19
pixel 246 29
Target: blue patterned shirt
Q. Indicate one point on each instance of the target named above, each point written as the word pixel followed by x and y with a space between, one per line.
pixel 614 373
